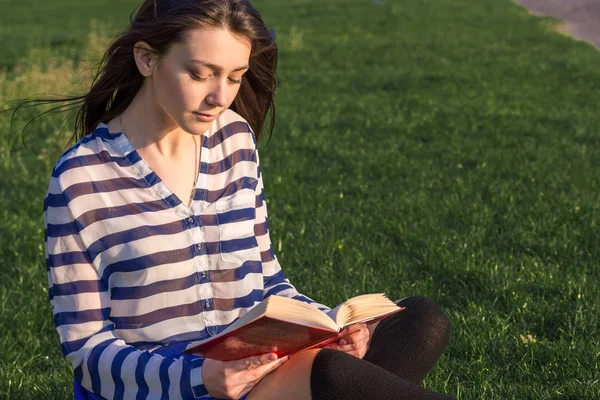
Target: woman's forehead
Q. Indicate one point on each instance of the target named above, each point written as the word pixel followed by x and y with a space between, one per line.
pixel 216 46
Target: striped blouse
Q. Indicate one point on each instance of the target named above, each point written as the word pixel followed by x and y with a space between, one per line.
pixel 135 275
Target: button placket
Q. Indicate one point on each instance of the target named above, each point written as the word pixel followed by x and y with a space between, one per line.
pixel 190 222
pixel 208 304
pixel 204 288
pixel 203 277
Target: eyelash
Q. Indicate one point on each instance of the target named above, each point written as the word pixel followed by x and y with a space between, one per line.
pixel 199 79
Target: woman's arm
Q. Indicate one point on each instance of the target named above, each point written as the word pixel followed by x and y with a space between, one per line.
pixel 275 282
pixel 102 362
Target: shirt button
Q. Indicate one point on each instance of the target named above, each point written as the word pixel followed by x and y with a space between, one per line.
pixel 210 329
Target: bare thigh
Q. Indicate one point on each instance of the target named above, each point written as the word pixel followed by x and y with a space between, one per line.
pixel 291 381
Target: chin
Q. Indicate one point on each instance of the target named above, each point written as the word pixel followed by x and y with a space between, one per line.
pixel 196 127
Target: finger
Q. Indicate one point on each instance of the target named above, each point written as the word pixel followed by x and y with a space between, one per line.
pixel 352 328
pixel 350 348
pixel 254 362
pixel 355 351
pixel 346 347
pixel 354 337
pixel 256 374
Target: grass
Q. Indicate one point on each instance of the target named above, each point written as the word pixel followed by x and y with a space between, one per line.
pixel 438 148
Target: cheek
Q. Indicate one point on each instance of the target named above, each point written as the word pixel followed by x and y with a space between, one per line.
pixel 176 92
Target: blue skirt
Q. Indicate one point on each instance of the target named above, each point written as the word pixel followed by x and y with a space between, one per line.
pixel 82 393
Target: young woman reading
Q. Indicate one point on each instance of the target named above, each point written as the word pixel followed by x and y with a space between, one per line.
pixel 156 227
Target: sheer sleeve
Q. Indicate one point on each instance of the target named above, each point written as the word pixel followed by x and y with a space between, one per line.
pixel 102 362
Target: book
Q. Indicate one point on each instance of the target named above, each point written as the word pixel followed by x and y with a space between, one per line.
pixel 285 326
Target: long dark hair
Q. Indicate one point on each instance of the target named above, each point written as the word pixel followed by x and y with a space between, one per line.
pixel 160 23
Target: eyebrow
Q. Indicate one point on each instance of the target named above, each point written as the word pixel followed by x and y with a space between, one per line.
pixel 216 67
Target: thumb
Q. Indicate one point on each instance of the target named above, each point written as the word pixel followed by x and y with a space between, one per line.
pixel 259 372
pixel 254 362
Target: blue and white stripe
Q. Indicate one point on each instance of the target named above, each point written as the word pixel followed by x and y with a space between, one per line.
pixel 136 275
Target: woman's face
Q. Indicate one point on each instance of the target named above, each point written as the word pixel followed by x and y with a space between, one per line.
pixel 198 79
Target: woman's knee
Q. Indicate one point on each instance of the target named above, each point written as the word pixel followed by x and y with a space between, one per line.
pixel 425 309
pixel 331 369
pixel 426 316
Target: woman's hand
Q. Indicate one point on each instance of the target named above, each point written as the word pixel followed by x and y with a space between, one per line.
pixel 353 341
pixel 233 379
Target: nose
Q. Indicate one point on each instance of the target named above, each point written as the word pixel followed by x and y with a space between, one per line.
pixel 218 95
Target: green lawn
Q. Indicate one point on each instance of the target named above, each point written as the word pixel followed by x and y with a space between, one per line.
pixel 441 148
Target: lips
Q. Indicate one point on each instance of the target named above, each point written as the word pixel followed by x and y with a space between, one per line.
pixel 206 117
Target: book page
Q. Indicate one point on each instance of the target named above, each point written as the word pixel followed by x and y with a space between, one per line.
pixel 300 313
pixel 333 314
pixel 362 309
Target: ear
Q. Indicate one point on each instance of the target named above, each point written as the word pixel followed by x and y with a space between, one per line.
pixel 145 58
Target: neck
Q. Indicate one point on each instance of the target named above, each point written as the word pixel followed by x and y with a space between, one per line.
pixel 148 127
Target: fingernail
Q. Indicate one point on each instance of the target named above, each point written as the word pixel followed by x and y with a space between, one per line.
pixel 342 342
pixel 284 359
pixel 272 357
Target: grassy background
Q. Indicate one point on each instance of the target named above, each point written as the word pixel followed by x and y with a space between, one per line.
pixel 441 148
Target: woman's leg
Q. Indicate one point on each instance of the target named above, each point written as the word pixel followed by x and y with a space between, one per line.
pixel 409 343
pixel 402 350
pixel 291 381
pixel 331 374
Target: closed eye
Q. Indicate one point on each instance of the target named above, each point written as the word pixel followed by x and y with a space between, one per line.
pixel 202 79
pixel 197 78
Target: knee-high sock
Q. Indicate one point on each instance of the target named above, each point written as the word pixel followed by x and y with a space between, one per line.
pixel 410 342
pixel 337 375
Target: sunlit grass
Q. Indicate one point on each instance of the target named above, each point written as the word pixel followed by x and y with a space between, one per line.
pixel 31 363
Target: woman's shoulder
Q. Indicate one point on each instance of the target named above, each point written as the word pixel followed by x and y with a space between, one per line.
pixel 231 126
pixel 91 151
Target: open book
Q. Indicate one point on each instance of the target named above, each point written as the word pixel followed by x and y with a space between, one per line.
pixel 286 326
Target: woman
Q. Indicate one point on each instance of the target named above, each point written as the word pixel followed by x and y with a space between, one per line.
pixel 156 226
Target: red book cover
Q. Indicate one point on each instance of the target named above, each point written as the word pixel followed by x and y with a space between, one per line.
pixel 268 335
pixel 265 335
